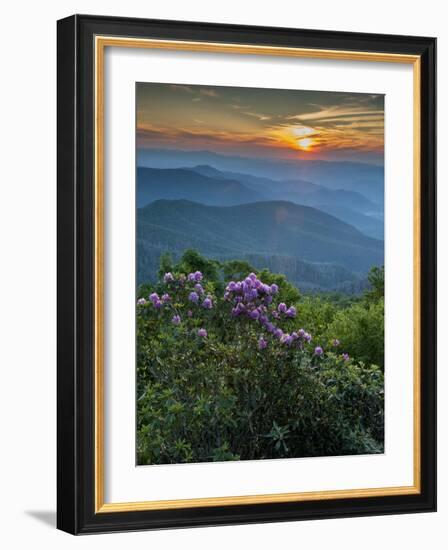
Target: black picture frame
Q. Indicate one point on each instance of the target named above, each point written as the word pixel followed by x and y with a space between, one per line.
pixel 76 269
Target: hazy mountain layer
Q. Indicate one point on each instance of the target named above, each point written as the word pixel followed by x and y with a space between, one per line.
pixel 267 229
pixel 208 185
pixel 364 178
pixel 177 183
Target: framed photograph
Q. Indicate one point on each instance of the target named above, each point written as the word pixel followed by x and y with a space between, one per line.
pixel 246 274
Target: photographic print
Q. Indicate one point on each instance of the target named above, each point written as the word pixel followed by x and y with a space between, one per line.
pixel 260 273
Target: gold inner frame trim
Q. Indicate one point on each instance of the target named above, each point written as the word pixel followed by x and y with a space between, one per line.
pixel 101 42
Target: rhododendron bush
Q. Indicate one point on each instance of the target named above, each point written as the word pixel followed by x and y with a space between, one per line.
pixel 229 370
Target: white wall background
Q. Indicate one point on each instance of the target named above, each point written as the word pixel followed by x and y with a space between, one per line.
pixel 28 267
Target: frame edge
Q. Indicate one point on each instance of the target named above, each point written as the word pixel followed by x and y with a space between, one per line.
pixel 74 516
pixel 67 464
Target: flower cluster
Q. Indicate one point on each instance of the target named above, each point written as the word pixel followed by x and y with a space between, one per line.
pixel 197 276
pixel 196 295
pixel 254 299
pixel 249 298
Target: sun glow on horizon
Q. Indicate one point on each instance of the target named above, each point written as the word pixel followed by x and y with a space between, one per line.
pixel 305 144
pixel 281 123
pixel 297 137
pixel 303 131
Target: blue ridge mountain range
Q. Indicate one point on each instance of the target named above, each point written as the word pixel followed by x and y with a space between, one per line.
pixel 319 236
pixel 214 187
pixel 367 179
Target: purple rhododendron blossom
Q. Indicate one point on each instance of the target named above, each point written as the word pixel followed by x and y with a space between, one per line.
pixel 154 297
pixel 232 286
pixel 189 313
pixel 207 303
pixel 168 277
pixel 202 333
pixel 198 276
pixel 291 312
pixel 254 314
pixel 198 288
pixel 141 302
pixel 318 351
pixel 165 298
pixel 157 304
pixel 335 342
pixel 278 333
pixel 193 297
pixel 274 288
pixel 252 294
pixel 176 320
pixel 262 344
pixel 282 307
pixel 346 356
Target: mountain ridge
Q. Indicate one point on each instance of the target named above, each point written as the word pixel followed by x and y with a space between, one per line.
pixel 264 228
pixel 211 186
pixel 178 183
pixel 350 175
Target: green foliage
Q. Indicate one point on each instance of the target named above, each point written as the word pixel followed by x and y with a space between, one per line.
pixel 288 292
pixel 357 322
pixel 166 264
pixel 376 281
pixel 316 313
pixel 193 261
pixel 221 397
pixel 360 329
pixel 236 269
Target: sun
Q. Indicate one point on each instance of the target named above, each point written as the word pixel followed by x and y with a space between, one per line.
pixel 305 144
pixel 296 137
pixel 302 131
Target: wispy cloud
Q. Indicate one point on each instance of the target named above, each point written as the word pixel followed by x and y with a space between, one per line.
pixel 209 92
pixel 236 106
pixel 206 92
pixel 259 116
pixel 182 88
pixel 337 112
pixel 149 133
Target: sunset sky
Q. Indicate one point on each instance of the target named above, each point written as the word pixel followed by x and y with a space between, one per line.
pixel 261 122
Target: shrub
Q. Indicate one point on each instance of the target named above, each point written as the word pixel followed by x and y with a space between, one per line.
pixel 360 329
pixel 228 372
